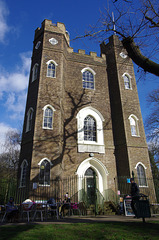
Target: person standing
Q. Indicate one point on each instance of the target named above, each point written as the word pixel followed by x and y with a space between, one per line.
pixel 134 195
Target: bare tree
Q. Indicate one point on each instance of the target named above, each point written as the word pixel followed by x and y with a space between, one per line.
pixel 137 25
pixel 152 123
pixel 10 157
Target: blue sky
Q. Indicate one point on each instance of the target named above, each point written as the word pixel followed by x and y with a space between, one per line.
pixel 18 21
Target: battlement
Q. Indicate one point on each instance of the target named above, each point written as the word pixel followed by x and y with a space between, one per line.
pixel 47 25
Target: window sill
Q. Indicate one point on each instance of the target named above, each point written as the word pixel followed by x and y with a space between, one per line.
pixel 91 147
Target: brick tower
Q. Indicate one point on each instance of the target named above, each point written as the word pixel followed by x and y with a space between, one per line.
pixel 82 118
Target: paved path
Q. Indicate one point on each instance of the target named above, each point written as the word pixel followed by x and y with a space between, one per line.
pixel 90 219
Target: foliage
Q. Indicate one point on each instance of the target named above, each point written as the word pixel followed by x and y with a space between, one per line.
pixel 10 157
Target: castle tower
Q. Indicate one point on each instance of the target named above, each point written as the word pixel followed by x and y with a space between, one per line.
pixel 82 118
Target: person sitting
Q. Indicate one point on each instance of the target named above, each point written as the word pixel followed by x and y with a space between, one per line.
pixel 66 205
pixel 12 211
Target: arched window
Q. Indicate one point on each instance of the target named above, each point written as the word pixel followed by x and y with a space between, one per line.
pixel 90 129
pixel 141 175
pixel 29 119
pixel 88 78
pixel 35 72
pixel 44 175
pixel 24 167
pixel 127 81
pixel 134 125
pixel 51 68
pixel 48 117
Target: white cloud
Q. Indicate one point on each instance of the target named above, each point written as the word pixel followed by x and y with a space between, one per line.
pixel 13 88
pixel 18 80
pixel 4 28
pixel 4 128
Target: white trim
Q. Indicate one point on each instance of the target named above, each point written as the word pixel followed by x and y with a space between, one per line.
pixel 50 61
pixel 90 146
pixel 100 170
pixel 140 163
pixel 132 116
pixel 46 160
pixel 44 108
pixel 88 69
pixel 128 75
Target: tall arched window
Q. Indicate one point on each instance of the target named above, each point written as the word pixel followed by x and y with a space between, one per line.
pixel 29 119
pixel 44 175
pixel 88 78
pixel 24 167
pixel 141 175
pixel 90 132
pixel 134 125
pixel 127 81
pixel 35 72
pixel 51 68
pixel 48 117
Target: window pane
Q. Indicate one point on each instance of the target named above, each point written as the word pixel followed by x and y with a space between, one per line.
pixel 89 129
pixel 88 80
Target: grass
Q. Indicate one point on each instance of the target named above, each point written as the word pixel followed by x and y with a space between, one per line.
pixel 81 231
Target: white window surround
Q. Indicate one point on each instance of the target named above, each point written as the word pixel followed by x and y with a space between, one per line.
pixel 51 61
pixel 39 169
pixel 99 169
pixel 44 108
pixel 29 119
pixel 128 75
pixel 131 118
pixel 34 74
pixel 140 163
pixel 90 146
pixel 90 70
pixel 46 160
pixel 21 175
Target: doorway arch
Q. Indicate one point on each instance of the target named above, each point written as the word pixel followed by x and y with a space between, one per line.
pixel 96 166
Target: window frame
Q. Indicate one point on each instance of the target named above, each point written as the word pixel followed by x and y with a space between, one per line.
pixel 90 146
pixel 132 116
pixel 130 81
pixel 55 64
pixel 35 72
pixel 141 179
pixel 87 131
pixel 39 164
pixel 44 109
pixel 29 119
pixel 93 73
pixel 22 175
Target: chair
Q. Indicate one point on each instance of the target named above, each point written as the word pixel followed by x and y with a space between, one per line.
pixel 28 208
pixel 75 208
pixel 38 209
pixel 52 208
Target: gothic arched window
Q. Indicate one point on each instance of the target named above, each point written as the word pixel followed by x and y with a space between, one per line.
pixel 29 119
pixel 44 175
pixel 24 167
pixel 51 68
pixel 48 117
pixel 35 72
pixel 88 78
pixel 127 81
pixel 141 175
pixel 134 125
pixel 90 132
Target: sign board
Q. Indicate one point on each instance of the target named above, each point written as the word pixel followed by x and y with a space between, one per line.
pixel 127 207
